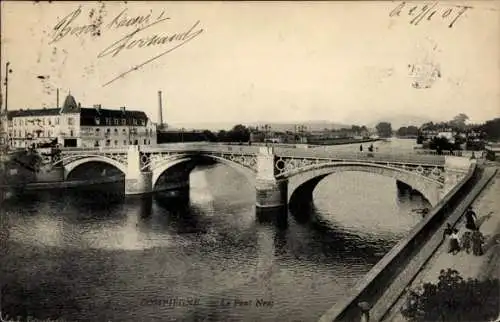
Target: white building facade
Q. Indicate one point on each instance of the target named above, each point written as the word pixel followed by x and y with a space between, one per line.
pixel 76 126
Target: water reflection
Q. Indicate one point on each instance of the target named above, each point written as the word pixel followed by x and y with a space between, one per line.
pixel 95 255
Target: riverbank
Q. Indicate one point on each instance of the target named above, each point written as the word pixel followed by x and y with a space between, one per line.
pixel 341 141
pixel 61 184
pixel 9 191
pixel 487 207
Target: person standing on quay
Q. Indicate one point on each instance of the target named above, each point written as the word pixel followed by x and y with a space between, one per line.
pixel 361 148
pixel 477 243
pixel 467 241
pixel 471 218
pixel 454 242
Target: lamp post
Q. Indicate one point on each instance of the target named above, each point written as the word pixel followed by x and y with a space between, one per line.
pixel 6 83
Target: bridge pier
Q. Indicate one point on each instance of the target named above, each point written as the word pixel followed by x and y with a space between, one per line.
pixel 270 193
pixel 137 182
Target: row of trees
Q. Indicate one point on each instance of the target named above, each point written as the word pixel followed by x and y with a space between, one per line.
pixel 407 131
pixel 384 129
pixel 239 133
pixel 490 130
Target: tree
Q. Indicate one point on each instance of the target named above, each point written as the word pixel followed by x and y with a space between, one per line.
pixel 384 129
pixel 453 299
pixel 412 130
pixel 402 131
pixel 441 143
pixel 492 129
pixel 239 133
pixel 356 129
pixel 458 121
pixel 222 136
pixel 209 136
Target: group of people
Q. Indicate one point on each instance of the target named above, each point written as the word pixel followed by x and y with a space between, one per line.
pixel 472 239
pixel 370 148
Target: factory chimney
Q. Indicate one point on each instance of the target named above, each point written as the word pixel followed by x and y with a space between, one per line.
pixel 160 115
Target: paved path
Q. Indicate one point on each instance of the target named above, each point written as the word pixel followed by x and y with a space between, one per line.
pixel 487 207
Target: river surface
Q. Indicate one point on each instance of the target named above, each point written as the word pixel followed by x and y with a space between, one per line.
pixel 92 255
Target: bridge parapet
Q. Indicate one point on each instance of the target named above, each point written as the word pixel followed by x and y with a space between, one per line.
pixel 271 166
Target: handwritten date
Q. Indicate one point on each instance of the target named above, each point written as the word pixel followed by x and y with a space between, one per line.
pixel 417 13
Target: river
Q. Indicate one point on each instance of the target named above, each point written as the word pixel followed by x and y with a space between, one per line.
pixel 94 255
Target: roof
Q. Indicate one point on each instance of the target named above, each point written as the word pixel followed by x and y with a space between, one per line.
pixel 89 115
pixel 33 112
pixel 103 112
pixel 70 105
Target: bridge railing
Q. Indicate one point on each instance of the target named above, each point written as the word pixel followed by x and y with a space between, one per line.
pixel 362 156
pixel 287 152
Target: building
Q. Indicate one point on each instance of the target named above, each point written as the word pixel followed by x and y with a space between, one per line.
pixel 76 126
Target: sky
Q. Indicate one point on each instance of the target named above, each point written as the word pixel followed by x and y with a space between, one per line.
pixel 241 62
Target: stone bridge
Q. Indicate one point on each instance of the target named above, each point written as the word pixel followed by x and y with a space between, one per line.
pixel 281 175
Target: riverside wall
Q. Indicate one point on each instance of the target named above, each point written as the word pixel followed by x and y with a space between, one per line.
pixel 372 288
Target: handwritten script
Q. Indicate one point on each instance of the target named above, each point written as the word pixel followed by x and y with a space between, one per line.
pixel 139 37
pixel 417 13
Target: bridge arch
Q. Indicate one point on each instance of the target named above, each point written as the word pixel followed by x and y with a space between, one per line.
pixel 302 181
pixel 160 168
pixel 75 162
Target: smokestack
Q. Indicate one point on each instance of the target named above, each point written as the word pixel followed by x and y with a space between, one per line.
pixel 160 115
pixel 58 98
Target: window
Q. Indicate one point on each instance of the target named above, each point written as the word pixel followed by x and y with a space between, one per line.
pixel 71 133
pixel 145 141
pixel 108 142
pixel 124 131
pixel 96 143
pixel 108 130
pixel 135 122
pixel 97 131
pixel 116 142
pixel 116 121
pixel 57 120
pixel 97 121
pixel 143 122
pixel 50 121
pixel 124 122
pixel 108 121
pixel 116 131
pixel 70 121
pixel 124 142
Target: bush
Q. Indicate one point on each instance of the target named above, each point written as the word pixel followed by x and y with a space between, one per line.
pixel 454 299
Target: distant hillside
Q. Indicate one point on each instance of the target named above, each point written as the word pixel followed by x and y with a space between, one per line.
pixel 310 125
pixel 275 126
pixel 396 121
pixel 403 120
